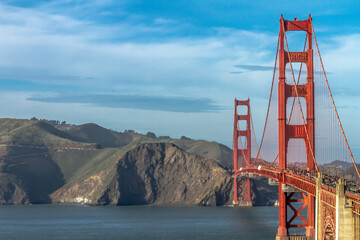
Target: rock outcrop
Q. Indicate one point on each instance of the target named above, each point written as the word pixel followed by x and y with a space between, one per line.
pixel 13 194
pixel 153 173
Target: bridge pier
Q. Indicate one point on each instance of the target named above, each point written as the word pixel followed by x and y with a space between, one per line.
pixel 282 230
pixel 245 203
pixel 295 238
pixel 344 216
pixel 242 191
pixel 318 207
pixel 356 226
pixel 336 222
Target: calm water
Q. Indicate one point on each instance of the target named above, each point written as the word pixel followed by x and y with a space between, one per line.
pixel 136 222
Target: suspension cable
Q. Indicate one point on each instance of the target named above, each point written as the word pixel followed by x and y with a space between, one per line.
pixel 257 146
pixel 271 91
pixel 292 108
pixel 333 103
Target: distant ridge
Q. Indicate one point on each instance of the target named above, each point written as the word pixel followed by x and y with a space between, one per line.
pixel 45 161
pixel 93 133
pixel 40 159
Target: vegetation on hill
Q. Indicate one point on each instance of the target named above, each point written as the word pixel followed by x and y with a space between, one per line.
pixel 44 161
pixel 33 132
pixel 152 173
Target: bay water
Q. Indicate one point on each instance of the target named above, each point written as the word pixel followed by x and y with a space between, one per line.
pixel 137 222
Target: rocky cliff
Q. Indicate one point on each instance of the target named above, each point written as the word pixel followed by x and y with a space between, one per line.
pixel 153 173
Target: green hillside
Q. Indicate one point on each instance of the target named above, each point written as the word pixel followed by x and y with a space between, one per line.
pixel 37 158
pixel 33 132
pixel 93 133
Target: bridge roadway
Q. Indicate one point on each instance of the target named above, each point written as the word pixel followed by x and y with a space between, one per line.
pixel 337 208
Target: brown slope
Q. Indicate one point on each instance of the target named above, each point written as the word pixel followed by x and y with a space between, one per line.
pixel 153 173
pixel 213 150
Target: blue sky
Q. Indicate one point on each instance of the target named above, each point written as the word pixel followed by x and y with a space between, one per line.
pixel 171 67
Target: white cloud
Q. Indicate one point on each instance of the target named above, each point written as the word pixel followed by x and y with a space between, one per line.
pixel 133 56
pixel 161 20
pixel 50 47
pixel 46 47
pixel 342 57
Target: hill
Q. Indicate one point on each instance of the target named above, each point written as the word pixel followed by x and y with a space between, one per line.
pixel 93 133
pixel 213 150
pixel 36 133
pixel 152 173
pixel 45 162
pixel 339 164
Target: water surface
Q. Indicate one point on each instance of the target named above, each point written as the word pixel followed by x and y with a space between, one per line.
pixel 137 222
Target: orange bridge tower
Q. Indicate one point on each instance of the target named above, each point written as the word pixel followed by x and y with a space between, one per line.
pixel 242 154
pixel 289 89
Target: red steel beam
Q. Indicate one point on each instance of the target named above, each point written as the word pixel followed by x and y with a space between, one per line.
pixel 242 185
pixel 287 132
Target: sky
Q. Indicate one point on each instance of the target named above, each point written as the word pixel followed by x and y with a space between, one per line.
pixel 170 67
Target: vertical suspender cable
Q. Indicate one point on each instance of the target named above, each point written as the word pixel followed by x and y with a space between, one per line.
pixel 333 103
pixel 271 91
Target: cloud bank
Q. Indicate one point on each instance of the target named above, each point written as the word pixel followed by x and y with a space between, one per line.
pixel 162 103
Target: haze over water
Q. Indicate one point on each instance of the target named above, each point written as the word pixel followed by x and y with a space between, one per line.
pixel 137 222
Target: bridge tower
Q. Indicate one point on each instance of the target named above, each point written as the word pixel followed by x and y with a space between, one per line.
pixel 287 131
pixel 242 156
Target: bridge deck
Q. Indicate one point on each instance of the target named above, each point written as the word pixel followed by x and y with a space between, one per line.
pixel 306 183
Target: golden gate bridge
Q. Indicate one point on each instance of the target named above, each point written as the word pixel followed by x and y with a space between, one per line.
pixel 303 147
